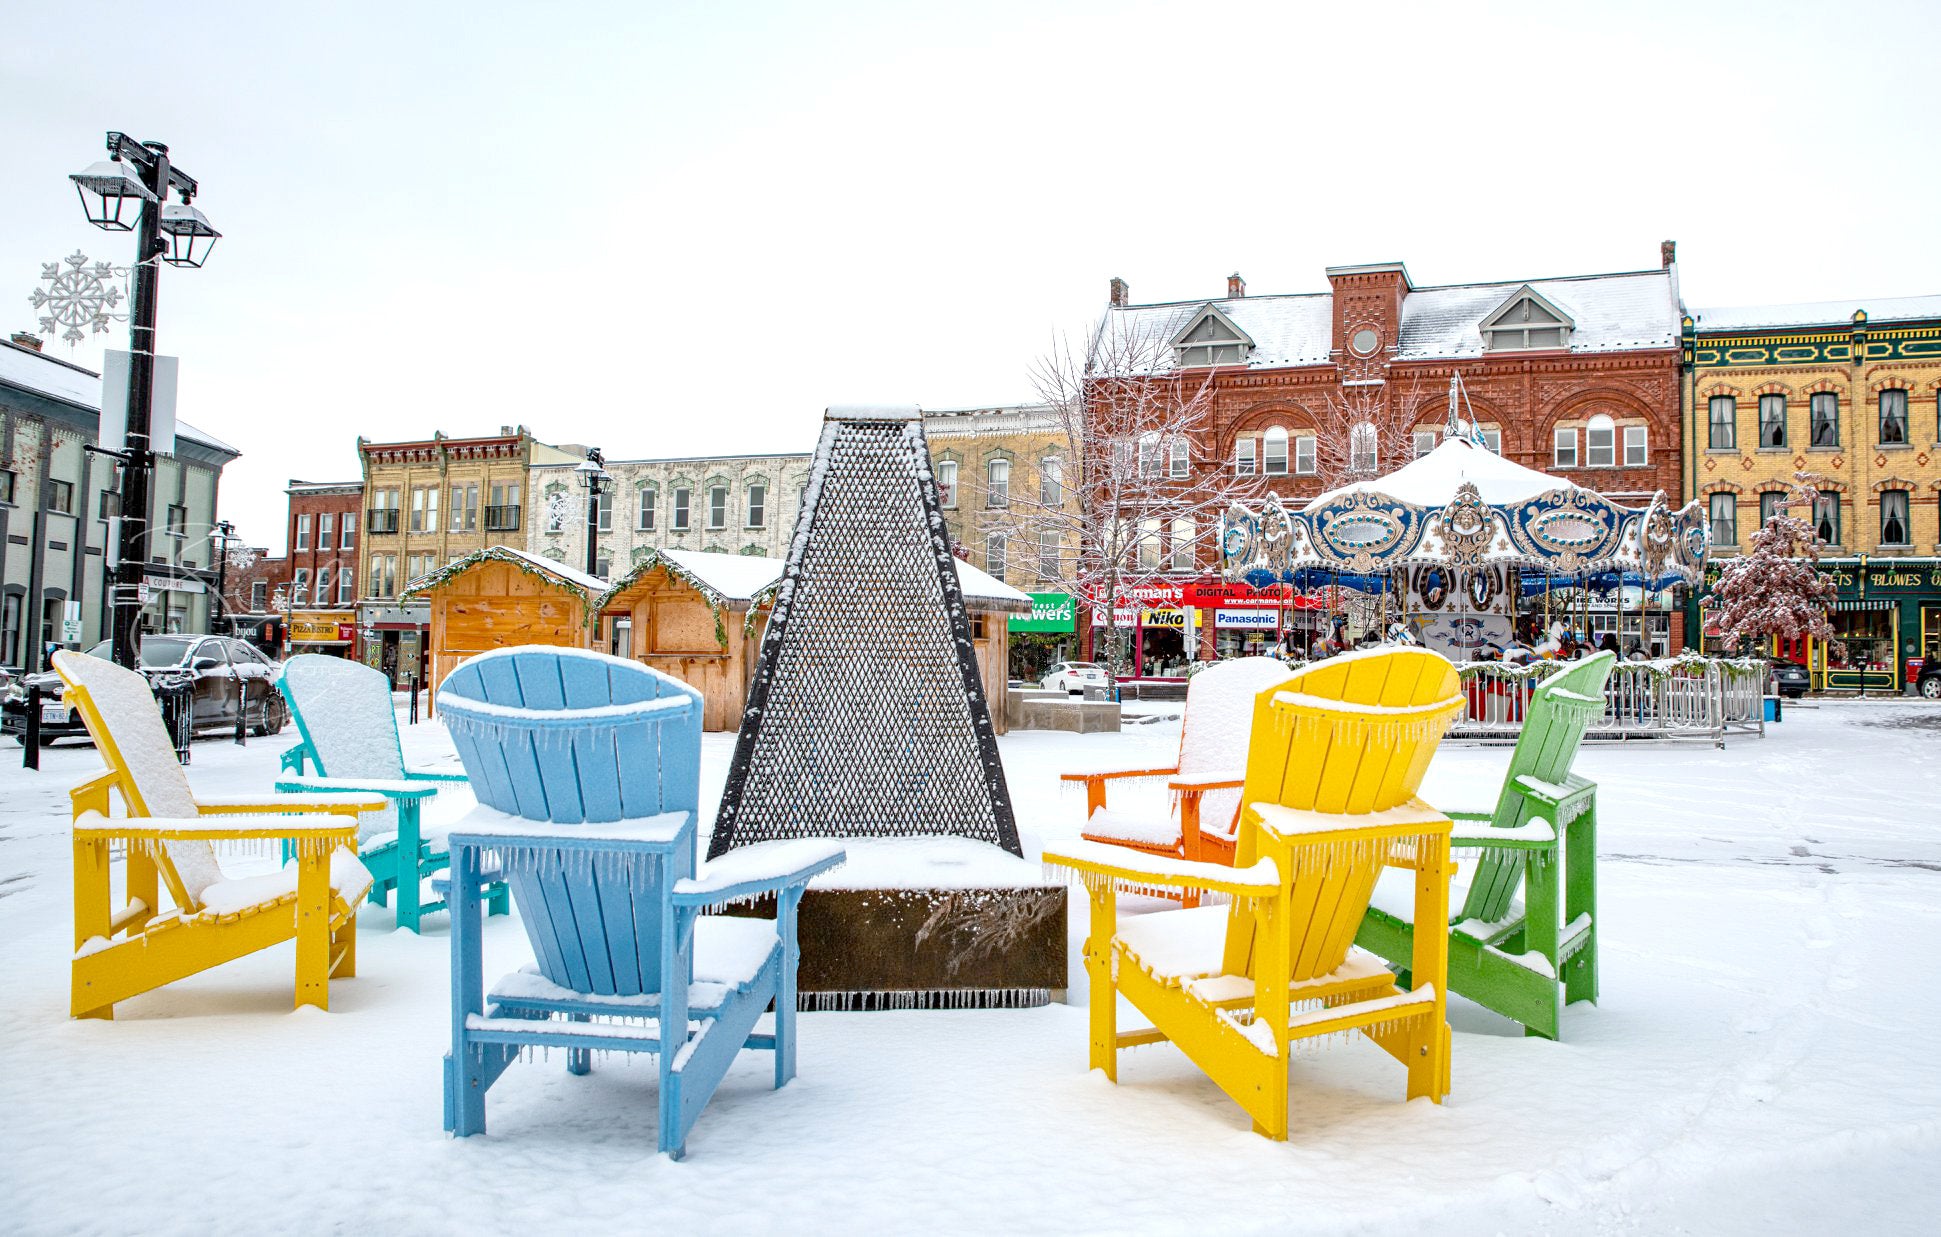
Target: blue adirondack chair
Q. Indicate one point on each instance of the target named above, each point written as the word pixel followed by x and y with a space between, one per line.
pixel 348 734
pixel 587 771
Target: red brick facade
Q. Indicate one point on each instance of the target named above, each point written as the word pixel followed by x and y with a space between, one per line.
pixel 325 532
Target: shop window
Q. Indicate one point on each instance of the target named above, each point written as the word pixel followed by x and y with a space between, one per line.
pixel 757 506
pixel 1637 446
pixel 649 504
pixel 678 518
pixel 1725 519
pixel 946 482
pixel 1563 449
pixel 1425 442
pixel 1722 423
pixel 997 491
pixel 1895 528
pixel 303 532
pixel 1826 519
pixel 1243 456
pixel 1304 457
pixel 1823 420
pixel 1274 452
pixel 1600 443
pixel 1893 417
pixel 1772 421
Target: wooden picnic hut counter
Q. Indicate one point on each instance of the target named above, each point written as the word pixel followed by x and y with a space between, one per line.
pixel 688 615
pixel 500 597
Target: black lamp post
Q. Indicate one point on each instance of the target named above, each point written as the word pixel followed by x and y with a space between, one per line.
pixel 227 531
pixel 593 477
pixel 128 192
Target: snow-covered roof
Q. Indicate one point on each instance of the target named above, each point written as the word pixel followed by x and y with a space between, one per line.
pixel 1818 313
pixel 1433 479
pixel 987 592
pixel 1612 313
pixel 57 379
pixel 733 579
pixel 570 576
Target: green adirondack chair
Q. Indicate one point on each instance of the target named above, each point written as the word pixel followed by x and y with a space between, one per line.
pixel 1527 959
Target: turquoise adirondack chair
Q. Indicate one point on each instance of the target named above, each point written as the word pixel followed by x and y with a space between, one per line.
pixel 587 770
pixel 348 733
pixel 1525 960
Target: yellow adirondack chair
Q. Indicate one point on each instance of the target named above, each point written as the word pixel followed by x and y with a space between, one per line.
pixel 168 836
pixel 1337 754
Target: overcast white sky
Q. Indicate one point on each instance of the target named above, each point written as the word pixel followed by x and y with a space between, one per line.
pixel 672 228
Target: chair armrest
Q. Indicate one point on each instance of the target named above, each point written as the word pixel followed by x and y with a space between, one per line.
pixel 427 775
pixel 756 870
pixel 1101 775
pixel 1470 815
pixel 1537 835
pixel 1137 867
pixel 309 787
pixel 92 795
pixel 93 828
pixel 1209 782
pixel 257 805
pixel 292 760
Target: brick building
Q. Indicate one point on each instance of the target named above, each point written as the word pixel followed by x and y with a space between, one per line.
pixel 1577 376
pixel 322 566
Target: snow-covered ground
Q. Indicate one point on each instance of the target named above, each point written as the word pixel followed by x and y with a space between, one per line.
pixel 1763 1057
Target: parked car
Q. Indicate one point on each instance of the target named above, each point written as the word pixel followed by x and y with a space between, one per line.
pixel 1790 678
pixel 1927 680
pixel 221 668
pixel 1075 676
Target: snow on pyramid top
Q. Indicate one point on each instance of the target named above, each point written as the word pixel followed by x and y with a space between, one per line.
pixel 873 412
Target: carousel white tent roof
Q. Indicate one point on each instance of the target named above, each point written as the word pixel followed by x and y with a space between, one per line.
pixel 1433 479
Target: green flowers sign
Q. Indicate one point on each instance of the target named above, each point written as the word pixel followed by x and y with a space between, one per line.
pixel 1049 612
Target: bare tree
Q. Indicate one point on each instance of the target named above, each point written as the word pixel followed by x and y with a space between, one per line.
pixel 1132 496
pixel 1777 588
pixel 1365 430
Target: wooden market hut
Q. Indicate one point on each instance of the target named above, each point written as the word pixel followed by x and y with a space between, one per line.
pixel 500 597
pixel 700 616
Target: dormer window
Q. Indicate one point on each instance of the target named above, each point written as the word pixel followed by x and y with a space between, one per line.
pixel 1211 338
pixel 1526 322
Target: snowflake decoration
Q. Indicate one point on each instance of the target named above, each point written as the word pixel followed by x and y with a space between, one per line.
pixel 558 512
pixel 81 295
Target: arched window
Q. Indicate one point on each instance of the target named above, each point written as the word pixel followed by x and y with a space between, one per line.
pixel 1894 525
pixel 1274 451
pixel 947 482
pixel 649 507
pixel 998 492
pixel 1051 481
pixel 1600 443
pixel 1363 457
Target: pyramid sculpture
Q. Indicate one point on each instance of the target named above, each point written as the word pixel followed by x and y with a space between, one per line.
pixel 867 716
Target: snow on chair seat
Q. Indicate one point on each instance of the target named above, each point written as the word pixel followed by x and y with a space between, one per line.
pixel 1203 780
pixel 1333 766
pixel 169 838
pixel 348 732
pixel 587 770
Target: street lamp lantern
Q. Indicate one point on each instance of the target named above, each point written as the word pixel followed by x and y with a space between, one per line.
pixel 112 194
pixel 190 235
pixel 593 479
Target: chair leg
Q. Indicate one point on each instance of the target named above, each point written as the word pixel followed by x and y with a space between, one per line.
pixel 1098 971
pixel 465 1075
pixel 579 1060
pixel 410 856
pixel 343 947
pixel 313 927
pixel 499 900
pixel 785 987
pixel 1580 898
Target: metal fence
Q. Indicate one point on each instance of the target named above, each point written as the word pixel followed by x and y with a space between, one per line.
pixel 1672 698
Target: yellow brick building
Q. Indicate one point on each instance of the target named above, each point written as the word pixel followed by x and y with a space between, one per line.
pixel 1849 392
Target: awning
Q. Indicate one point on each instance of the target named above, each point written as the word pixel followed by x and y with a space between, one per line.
pixel 1881 603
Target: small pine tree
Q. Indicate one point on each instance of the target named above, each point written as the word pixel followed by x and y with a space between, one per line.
pixel 1777 589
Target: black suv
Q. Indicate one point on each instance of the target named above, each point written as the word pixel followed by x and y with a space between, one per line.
pixel 221 668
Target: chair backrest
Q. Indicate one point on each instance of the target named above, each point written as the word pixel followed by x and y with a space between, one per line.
pixel 343 710
pixel 1345 738
pixel 1561 710
pixel 569 736
pixel 1213 735
pixel 125 722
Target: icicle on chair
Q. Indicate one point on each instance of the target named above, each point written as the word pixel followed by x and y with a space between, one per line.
pixel 1522 959
pixel 168 837
pixel 348 734
pixel 1338 751
pixel 587 768
pixel 1204 779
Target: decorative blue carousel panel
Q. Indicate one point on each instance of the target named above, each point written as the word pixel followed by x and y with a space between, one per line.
pixel 1360 531
pixel 1565 528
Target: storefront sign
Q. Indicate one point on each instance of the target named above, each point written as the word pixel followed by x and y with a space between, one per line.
pixel 172 584
pixel 1884 577
pixel 322 627
pixel 1223 595
pixel 1049 612
pixel 1125 617
pixel 1256 620
pixel 1175 619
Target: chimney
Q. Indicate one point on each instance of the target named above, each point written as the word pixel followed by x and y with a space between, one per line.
pixel 1667 253
pixel 26 340
pixel 1120 293
pixel 1236 286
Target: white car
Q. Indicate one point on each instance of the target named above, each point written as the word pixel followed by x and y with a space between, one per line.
pixel 1075 676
